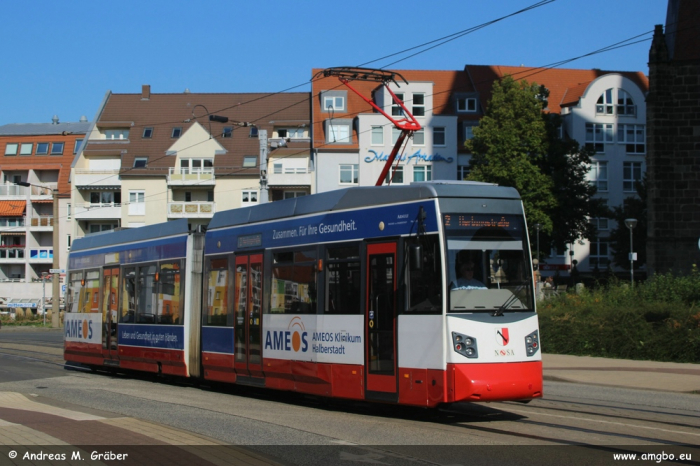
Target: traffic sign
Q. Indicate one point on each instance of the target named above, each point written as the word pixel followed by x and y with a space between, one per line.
pixel 57 270
pixel 32 305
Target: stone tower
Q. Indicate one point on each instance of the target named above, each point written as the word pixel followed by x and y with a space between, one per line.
pixel 673 140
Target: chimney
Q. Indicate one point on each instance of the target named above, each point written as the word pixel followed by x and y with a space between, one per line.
pixel 145 92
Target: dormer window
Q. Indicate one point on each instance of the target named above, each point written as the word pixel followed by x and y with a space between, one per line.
pixel 148 132
pixel 333 103
pixel 604 106
pixel 625 104
pixel 177 132
pixel 228 132
pixel 466 104
pixel 117 134
pixel 140 162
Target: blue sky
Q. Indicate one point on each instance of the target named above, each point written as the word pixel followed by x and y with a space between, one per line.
pixel 61 57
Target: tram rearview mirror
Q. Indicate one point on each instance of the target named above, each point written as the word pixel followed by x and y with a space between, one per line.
pixel 415 257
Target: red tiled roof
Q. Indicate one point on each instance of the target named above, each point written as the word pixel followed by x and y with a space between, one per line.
pixel 12 208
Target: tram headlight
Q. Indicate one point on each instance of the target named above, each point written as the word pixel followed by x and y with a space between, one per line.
pixel 532 343
pixel 465 345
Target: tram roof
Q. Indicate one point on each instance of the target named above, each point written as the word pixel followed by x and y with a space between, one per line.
pixel 131 235
pixel 358 197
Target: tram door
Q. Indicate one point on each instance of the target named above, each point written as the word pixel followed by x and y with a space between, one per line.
pixel 380 318
pixel 248 308
pixel 110 314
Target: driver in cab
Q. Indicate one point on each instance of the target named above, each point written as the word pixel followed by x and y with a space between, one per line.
pixel 466 280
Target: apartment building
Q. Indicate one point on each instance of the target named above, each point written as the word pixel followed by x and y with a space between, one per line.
pixel 603 110
pixel 152 158
pixel 39 154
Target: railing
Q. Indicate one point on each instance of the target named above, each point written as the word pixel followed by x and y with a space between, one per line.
pixel 11 222
pixel 89 205
pixel 13 190
pixel 41 254
pixel 96 171
pixel 46 189
pixel 41 222
pixel 191 209
pixel 13 252
pixel 12 280
pixel 190 175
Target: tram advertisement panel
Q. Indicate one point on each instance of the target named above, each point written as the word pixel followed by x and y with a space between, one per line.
pixel 314 338
pixel 83 327
pixel 152 336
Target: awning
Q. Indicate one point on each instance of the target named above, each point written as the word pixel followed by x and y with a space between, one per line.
pixel 12 208
pixel 301 186
pixel 93 187
pixel 42 201
pixel 13 233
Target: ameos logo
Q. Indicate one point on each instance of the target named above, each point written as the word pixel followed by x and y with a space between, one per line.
pixel 79 328
pixel 295 338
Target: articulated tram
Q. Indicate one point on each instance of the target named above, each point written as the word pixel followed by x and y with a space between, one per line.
pixel 418 295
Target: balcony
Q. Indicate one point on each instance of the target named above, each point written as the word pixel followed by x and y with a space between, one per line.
pixel 92 178
pixel 87 211
pixel 191 176
pixel 41 255
pixel 290 176
pixel 191 209
pixel 43 192
pixel 13 254
pixel 11 223
pixel 11 191
pixel 41 223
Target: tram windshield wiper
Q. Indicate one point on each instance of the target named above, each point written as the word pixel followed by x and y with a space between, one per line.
pixel 509 302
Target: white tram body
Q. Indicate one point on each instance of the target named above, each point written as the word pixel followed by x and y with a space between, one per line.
pixel 352 294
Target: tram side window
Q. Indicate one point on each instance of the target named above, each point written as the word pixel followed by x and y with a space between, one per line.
pixel 128 295
pixel 169 280
pixel 147 294
pixel 425 285
pixel 90 298
pixel 217 311
pixel 343 281
pixel 293 282
pixel 75 292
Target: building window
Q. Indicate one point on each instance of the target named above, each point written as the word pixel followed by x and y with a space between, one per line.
pixel 349 174
pixel 249 198
pixel 633 137
pixel 291 133
pixel 26 148
pixel 148 132
pixel 625 104
pixel 68 237
pixel 339 133
pixel 228 132
pixel 177 132
pixel 604 106
pixel 293 194
pixel 98 227
pixel 631 174
pixel 468 132
pixel 77 146
pixel 196 166
pixel 598 175
pixel 439 136
pixel 599 253
pixel 600 223
pixel 210 195
pixel 277 169
pixel 57 148
pixel 597 135
pixel 68 211
pixel 140 162
pixel 418 107
pixel 42 148
pixel 396 109
pixel 137 204
pixel 334 103
pixel 462 172
pixel 419 137
pixel 377 135
pixel 117 134
pixel 396 174
pixel 11 148
pixel 467 104
pixel 424 173
pixel 250 161
pixel 395 133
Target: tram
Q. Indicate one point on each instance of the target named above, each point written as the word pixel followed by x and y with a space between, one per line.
pixel 419 295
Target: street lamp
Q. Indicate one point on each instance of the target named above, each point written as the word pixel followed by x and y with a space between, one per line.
pixel 631 223
pixel 55 300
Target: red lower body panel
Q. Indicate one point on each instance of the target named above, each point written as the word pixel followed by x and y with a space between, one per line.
pixel 83 353
pixel 218 367
pixel 494 382
pixel 171 362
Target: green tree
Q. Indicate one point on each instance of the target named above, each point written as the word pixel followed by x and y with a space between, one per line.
pixel 632 207
pixel 517 144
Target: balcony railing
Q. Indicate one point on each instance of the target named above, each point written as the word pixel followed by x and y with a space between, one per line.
pixel 13 190
pixel 41 221
pixel 11 222
pixel 12 253
pixel 191 209
pixel 186 176
pixel 88 211
pixel 45 190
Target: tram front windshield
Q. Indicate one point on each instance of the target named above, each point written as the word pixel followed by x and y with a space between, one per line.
pixel 488 264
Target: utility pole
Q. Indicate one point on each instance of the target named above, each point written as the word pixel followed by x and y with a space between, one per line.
pixel 56 292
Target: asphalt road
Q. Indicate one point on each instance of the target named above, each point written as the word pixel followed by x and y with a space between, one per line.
pixel 296 429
